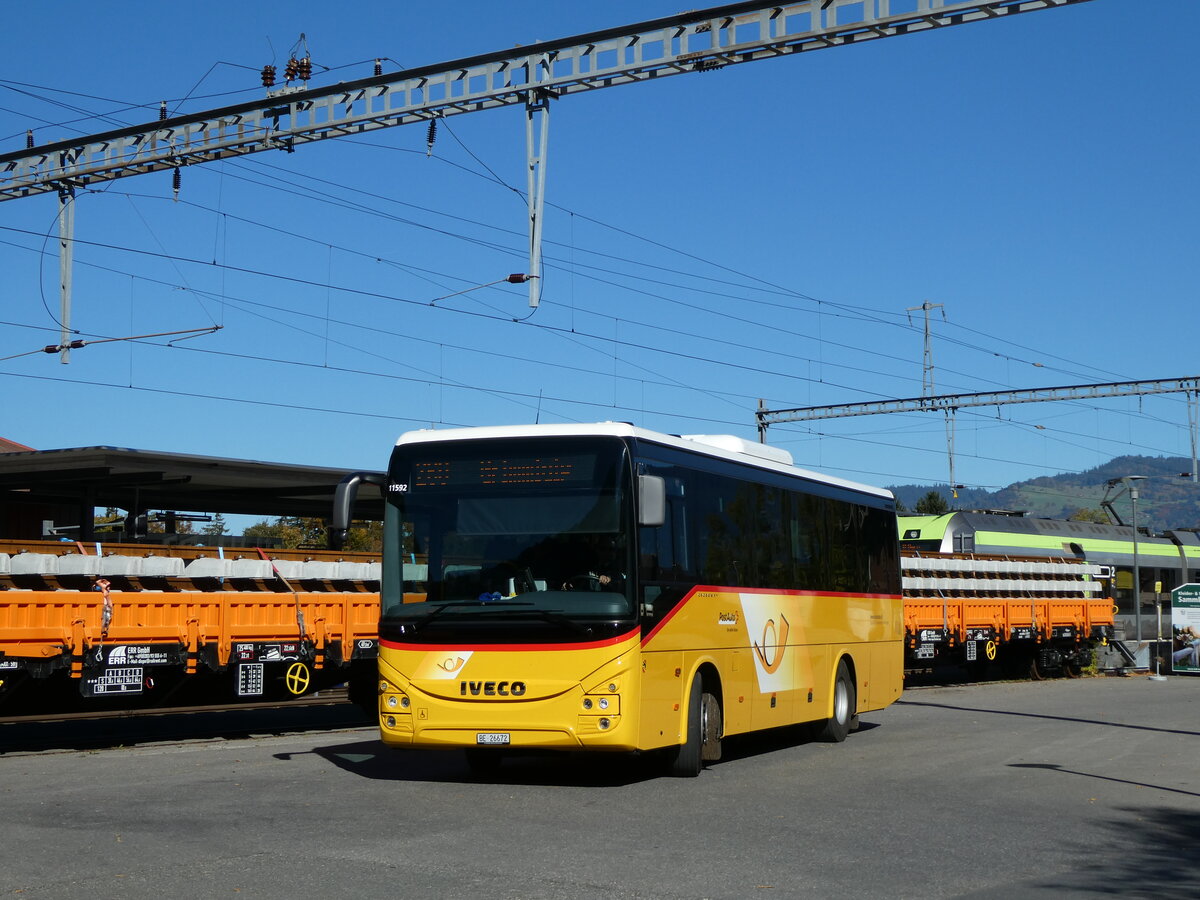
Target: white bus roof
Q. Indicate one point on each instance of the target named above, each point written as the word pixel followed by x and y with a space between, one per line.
pixel 720 446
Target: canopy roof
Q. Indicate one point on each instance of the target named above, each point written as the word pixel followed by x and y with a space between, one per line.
pixel 137 480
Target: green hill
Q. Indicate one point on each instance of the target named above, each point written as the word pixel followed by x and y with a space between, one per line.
pixel 1166 500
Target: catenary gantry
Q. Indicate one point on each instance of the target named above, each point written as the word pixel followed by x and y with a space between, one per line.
pixel 288 117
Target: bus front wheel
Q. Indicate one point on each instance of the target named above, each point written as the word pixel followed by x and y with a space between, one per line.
pixel 703 742
pixel 845 702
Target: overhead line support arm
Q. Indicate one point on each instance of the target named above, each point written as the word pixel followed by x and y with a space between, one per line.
pixel 693 41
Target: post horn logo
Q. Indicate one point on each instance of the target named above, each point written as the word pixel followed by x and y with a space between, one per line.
pixel 770 637
pixel 451 664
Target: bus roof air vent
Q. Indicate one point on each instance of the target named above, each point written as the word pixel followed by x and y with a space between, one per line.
pixel 733 444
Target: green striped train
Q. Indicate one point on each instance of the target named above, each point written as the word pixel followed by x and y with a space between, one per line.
pixel 1165 561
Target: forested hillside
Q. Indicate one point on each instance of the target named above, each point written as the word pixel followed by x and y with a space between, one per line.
pixel 1166 499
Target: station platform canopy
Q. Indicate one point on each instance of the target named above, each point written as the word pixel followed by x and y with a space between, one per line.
pixel 66 486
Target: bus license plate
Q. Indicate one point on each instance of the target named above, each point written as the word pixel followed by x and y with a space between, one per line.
pixel 491 737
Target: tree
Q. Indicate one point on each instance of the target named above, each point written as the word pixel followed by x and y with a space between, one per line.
pixel 294 532
pixel 216 527
pixel 1090 515
pixel 284 529
pixel 111 521
pixel 366 536
pixel 932 504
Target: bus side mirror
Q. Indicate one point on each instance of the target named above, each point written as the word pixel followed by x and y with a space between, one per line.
pixel 343 505
pixel 652 500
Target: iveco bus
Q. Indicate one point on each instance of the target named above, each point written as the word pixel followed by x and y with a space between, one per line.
pixel 604 587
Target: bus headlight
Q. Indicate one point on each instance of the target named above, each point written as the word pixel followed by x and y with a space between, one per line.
pixel 393 698
pixel 602 704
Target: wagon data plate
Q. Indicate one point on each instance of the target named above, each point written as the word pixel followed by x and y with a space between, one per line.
pixel 492 738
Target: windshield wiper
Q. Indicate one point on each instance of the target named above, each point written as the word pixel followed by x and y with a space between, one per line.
pixel 555 617
pixel 490 604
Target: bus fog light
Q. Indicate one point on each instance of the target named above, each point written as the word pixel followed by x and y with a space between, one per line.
pixel 604 723
pixel 391 721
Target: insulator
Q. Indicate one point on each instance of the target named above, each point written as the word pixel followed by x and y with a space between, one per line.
pixel 517 278
pixel 268 76
pixel 304 69
pixel 379 67
pixel 162 111
pixel 176 180
pixel 29 138
pixel 290 70
pixel 430 136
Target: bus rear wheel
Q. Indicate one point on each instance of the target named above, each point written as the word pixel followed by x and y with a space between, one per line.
pixel 703 742
pixel 845 701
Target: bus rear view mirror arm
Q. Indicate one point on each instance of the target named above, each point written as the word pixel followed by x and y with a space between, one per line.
pixel 343 504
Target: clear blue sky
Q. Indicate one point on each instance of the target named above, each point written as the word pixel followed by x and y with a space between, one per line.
pixel 714 238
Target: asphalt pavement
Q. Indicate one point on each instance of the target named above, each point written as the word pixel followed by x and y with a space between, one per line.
pixel 1083 788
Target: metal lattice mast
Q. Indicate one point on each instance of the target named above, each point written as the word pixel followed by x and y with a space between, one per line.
pixel 66 256
pixel 1193 407
pixel 927 383
pixel 927 362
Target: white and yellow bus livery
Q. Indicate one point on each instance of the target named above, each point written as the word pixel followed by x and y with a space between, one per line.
pixel 604 587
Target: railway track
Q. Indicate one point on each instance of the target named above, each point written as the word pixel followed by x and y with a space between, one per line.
pixel 97 729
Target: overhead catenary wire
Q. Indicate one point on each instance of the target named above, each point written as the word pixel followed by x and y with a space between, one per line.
pixel 696 307
pixel 509 187
pixel 245 302
pixel 655 243
pixel 597 337
pixel 703 309
pixel 867 314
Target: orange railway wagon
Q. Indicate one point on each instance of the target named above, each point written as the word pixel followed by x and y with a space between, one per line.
pixel 145 629
pixel 182 624
pixel 1032 616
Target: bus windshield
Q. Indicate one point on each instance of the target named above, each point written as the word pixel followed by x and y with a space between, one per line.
pixel 528 544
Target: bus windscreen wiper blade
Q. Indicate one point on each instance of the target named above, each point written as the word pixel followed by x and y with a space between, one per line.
pixel 481 604
pixel 555 617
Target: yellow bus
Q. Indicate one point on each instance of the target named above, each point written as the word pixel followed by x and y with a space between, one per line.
pixel 604 587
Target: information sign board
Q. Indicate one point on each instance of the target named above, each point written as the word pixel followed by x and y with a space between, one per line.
pixel 1185 628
